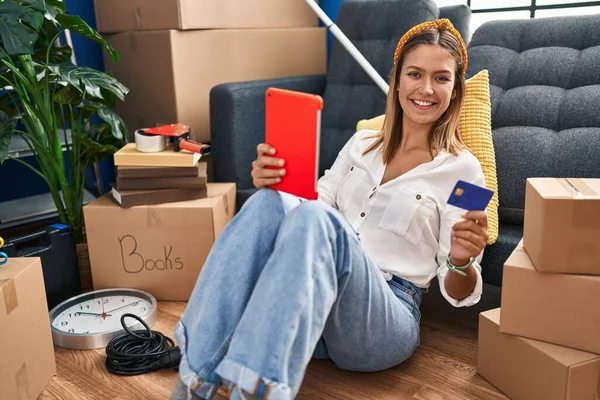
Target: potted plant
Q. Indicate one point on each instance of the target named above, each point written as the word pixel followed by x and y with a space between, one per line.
pixel 55 101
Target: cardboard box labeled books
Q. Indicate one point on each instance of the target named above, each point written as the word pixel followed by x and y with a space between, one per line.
pixel 170 73
pixel 561 231
pixel 555 308
pixel 142 15
pixel 160 249
pixel 526 369
pixel 26 348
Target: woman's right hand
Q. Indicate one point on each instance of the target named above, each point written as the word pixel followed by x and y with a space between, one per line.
pixel 262 176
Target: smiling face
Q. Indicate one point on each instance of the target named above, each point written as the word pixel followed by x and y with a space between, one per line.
pixel 426 85
pixel 427 88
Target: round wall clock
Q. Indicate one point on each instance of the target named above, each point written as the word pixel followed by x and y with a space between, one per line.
pixel 91 320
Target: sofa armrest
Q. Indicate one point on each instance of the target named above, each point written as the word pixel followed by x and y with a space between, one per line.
pixel 237 123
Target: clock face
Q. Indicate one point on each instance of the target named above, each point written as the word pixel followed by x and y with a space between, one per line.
pixel 101 314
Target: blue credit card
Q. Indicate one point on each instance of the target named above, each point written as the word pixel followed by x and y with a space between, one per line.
pixel 470 197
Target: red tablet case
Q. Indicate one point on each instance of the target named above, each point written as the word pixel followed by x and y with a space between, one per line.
pixel 293 128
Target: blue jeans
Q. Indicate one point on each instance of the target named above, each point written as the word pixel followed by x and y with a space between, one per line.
pixel 287 280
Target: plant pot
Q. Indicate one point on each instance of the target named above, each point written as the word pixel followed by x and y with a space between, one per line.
pixel 83 263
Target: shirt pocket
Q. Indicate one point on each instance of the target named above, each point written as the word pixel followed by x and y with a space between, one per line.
pixel 349 183
pixel 408 214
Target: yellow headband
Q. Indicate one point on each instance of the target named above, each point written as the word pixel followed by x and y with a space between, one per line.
pixel 443 24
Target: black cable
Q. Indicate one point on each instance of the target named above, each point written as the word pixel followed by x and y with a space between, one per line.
pixel 140 351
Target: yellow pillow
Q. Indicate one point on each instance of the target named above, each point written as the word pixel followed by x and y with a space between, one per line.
pixel 476 131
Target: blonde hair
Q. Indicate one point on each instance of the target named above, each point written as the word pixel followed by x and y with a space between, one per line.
pixel 445 134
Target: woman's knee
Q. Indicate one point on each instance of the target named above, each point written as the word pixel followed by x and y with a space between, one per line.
pixel 314 211
pixel 264 197
pixel 318 214
pixel 264 200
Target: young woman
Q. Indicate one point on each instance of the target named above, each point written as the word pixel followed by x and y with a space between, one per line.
pixel 342 277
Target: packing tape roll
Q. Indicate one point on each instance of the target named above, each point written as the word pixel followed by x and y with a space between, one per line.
pixel 149 143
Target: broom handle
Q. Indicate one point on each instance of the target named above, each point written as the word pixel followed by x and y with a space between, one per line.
pixel 339 35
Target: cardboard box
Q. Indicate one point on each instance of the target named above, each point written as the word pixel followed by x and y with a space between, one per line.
pixel 160 249
pixel 142 15
pixel 170 73
pixel 555 308
pixel 526 369
pixel 26 351
pixel 561 230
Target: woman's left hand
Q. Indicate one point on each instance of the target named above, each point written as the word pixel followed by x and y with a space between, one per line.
pixel 469 237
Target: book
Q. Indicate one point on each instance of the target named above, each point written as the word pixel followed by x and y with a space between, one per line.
pixel 130 198
pixel 129 156
pixel 169 182
pixel 156 172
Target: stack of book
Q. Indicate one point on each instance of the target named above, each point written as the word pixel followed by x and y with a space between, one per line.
pixel 156 178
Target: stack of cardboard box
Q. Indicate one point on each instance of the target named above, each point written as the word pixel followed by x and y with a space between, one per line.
pixel 155 178
pixel 172 52
pixel 157 234
pixel 544 341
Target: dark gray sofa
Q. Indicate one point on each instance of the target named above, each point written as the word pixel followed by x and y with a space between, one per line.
pixel 545 91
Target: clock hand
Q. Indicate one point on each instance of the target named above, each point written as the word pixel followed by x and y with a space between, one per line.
pixel 125 306
pixel 103 313
pixel 78 313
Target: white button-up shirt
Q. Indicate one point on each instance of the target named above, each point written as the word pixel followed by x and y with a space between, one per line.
pixel 404 224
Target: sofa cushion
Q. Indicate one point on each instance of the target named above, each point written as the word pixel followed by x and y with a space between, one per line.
pixel 476 132
pixel 545 91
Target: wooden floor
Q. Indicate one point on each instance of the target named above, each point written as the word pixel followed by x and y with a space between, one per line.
pixel 444 367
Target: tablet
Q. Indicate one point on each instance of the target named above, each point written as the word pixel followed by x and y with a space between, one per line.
pixel 293 128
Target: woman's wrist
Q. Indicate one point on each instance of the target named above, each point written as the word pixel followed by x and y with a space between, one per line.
pixel 459 262
pixel 461 268
pixel 460 280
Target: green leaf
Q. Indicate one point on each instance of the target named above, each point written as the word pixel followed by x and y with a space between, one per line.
pixel 36 4
pixel 7 129
pixel 33 16
pixel 91 81
pixel 3 54
pixel 18 38
pixel 19 26
pixel 97 146
pixel 103 134
pixel 68 95
pixel 76 24
pixel 110 99
pixel 113 119
pixel 55 69
pixel 55 7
